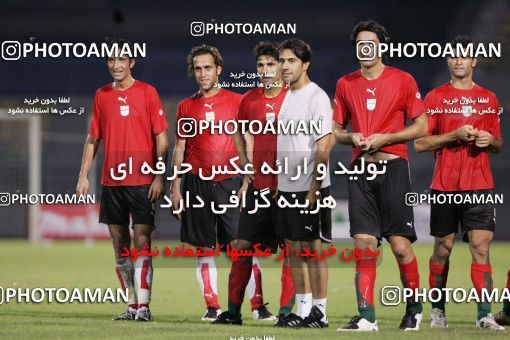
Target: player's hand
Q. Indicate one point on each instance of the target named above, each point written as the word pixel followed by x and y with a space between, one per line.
pixel 483 139
pixel 176 199
pixel 377 141
pixel 157 189
pixel 242 196
pixel 466 133
pixel 359 141
pixel 82 188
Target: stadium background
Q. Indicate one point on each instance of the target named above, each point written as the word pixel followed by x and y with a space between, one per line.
pixel 57 141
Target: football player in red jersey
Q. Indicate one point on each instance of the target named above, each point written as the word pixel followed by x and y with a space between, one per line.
pixel 463 128
pixel 129 118
pixel 262 105
pixel 202 227
pixel 376 100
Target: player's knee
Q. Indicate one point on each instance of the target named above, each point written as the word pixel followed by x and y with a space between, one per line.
pixel 447 245
pixel 295 249
pixel 140 241
pixel 402 251
pixel 243 245
pixel 442 254
pixel 443 249
pixel 480 253
pixel 365 242
pixel 118 238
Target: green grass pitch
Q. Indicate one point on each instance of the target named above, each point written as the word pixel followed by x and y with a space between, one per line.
pixel 177 305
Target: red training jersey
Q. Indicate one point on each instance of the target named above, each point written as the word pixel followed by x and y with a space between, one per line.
pixel 459 165
pixel 205 150
pixel 127 122
pixel 255 106
pixel 377 106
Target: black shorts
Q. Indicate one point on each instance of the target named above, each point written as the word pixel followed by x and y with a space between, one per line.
pixel 259 227
pixel 201 226
pixel 294 226
pixel 117 203
pixel 445 218
pixel 377 207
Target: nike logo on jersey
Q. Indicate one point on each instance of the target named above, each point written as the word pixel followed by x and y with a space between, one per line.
pixel 372 91
pixel 122 99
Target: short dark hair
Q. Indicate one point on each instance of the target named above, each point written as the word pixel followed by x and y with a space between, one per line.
pixel 201 50
pixel 374 27
pixel 269 48
pixel 464 40
pixel 120 44
pixel 301 49
pixel 371 26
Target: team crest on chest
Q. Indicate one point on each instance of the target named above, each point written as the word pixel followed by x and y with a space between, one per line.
pixel 209 115
pixel 124 110
pixel 270 115
pixel 371 103
pixel 467 110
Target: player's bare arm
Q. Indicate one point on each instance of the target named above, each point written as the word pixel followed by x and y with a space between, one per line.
pixel 175 186
pixel 157 188
pixel 89 153
pixel 465 133
pixel 244 147
pixel 350 138
pixel 417 129
pixel 484 139
pixel 248 139
pixel 321 157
